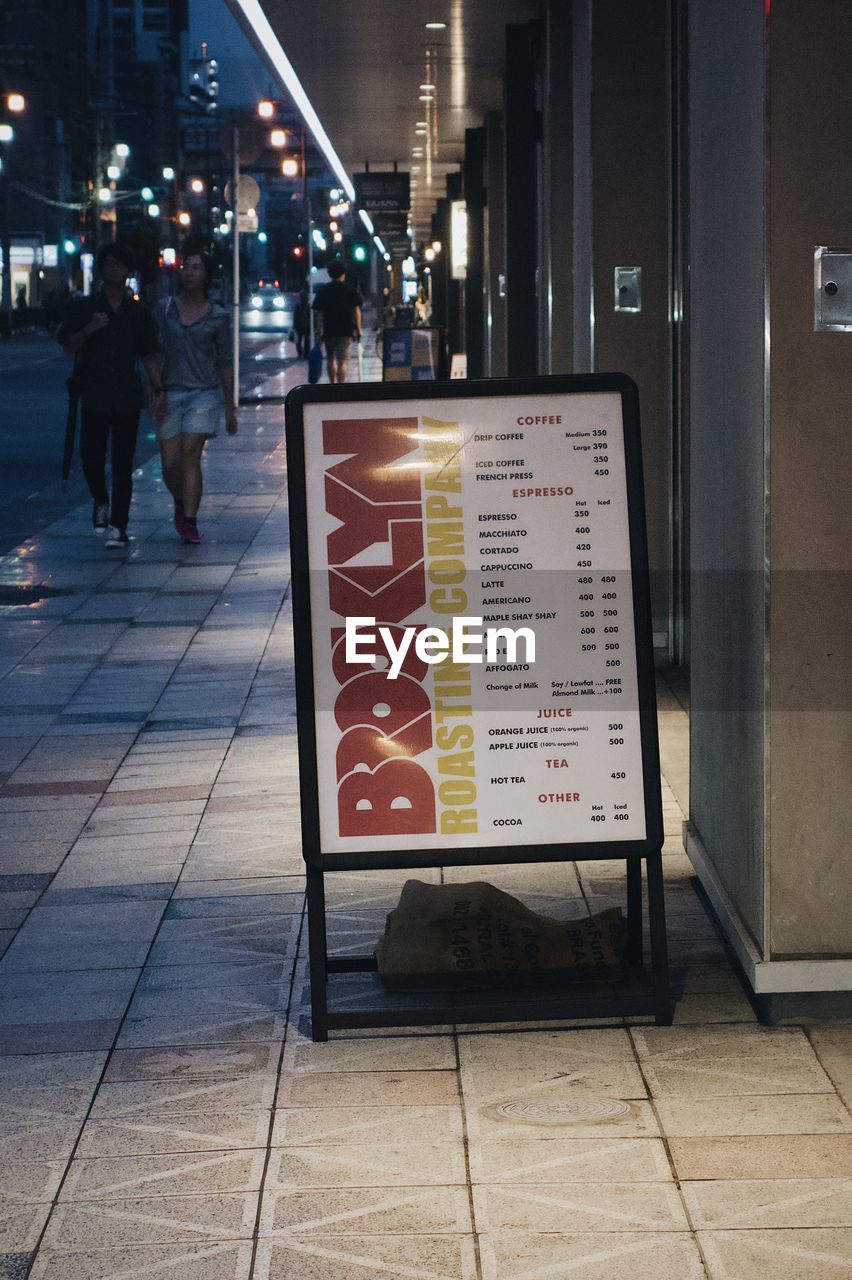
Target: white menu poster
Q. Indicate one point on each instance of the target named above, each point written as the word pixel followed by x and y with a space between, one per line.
pixel 507 512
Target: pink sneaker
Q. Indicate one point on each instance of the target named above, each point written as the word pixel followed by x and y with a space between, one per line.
pixel 190 534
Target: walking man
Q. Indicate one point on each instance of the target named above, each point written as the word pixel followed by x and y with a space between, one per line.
pixel 302 325
pixel 107 332
pixel 338 305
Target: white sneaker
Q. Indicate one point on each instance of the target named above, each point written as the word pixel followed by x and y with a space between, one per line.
pixel 117 539
pixel 100 517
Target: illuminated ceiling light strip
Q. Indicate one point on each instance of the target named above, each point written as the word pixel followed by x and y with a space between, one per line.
pixel 251 16
pixel 367 221
pixel 377 242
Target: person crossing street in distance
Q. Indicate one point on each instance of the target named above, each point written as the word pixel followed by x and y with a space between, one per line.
pixel 302 325
pixel 338 306
pixel 107 333
pixel 198 384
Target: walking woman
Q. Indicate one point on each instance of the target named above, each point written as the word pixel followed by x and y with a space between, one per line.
pixel 197 379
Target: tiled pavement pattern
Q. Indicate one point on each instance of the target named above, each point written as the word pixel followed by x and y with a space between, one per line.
pixel 163 1112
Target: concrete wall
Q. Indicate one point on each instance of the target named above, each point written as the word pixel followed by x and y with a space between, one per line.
pixel 810 706
pixel 727 442
pixel 581 111
pixel 771 527
pixel 630 227
pixel 556 277
pixel 495 248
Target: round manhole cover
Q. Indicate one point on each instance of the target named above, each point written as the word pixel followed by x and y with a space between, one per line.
pixel 584 1110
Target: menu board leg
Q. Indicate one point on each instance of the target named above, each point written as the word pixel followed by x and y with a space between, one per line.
pixel 656 997
pixel 318 952
pixel 663 1008
pixel 633 950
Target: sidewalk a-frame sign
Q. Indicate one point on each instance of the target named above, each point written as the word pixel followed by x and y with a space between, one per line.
pixel 491 514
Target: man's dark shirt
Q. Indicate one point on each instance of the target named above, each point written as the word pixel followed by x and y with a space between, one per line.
pixel 107 359
pixel 336 302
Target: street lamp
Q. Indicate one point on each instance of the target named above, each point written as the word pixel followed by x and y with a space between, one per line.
pixel 153 211
pixel 169 173
pixel 266 109
pixel 15 103
pixel 196 186
pixel 147 193
pixel 278 138
pixel 184 218
pixel 122 150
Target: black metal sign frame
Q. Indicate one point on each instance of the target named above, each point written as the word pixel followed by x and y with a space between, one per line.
pixel 633 999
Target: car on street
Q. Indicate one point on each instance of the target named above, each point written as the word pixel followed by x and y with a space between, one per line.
pixel 267 297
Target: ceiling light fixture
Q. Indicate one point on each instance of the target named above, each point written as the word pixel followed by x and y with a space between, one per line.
pixel 427 88
pixel 436 26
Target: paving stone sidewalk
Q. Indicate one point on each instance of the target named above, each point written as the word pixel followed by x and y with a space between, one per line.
pixel 163 1112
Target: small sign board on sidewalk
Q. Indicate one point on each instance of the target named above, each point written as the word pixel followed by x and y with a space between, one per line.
pixel 411 355
pixel 516 506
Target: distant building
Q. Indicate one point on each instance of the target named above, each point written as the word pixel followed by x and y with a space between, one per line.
pixel 43 57
pixel 137 50
pixel 103 82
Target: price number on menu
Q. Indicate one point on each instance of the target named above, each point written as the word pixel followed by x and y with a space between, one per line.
pixel 599 617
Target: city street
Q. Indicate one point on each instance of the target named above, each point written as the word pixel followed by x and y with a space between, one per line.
pixel 162 1107
pixel 33 370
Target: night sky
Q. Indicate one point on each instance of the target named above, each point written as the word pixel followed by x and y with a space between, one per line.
pixel 242 77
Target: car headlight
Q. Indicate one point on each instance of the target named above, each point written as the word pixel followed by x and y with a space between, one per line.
pixel 278 302
pixel 257 301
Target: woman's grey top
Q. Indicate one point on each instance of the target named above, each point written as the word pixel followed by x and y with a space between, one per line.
pixel 194 355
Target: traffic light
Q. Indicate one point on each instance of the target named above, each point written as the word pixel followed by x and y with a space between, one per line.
pixel 359 253
pixel 298 251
